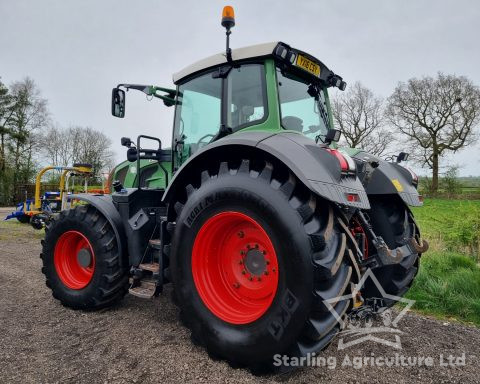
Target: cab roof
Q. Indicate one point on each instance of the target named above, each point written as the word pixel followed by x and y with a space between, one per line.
pixel 251 51
pixel 281 51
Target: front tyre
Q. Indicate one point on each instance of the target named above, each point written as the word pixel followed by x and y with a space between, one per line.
pixel 81 260
pixel 254 254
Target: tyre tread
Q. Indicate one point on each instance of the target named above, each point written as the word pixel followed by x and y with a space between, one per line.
pixel 113 283
pixel 331 265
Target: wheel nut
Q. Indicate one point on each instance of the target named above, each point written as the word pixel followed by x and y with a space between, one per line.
pixel 268 262
pixel 248 246
pixel 256 246
pixel 244 272
pixel 240 234
pixel 250 278
pixel 240 262
pixel 242 252
pixel 264 252
pixel 265 273
pixel 236 285
pixel 259 279
pixel 274 270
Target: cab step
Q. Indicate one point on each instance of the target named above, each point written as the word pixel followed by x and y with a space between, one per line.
pixel 155 244
pixel 147 278
pixel 152 267
pixel 145 290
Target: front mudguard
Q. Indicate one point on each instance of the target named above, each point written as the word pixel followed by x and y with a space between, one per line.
pixel 104 204
pixel 311 163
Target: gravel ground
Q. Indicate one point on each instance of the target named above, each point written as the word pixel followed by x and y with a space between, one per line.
pixel 142 341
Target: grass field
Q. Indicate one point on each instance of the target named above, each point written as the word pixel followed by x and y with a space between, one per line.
pixel 12 229
pixel 448 283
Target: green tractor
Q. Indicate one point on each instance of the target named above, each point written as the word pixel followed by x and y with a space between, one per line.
pixel 254 214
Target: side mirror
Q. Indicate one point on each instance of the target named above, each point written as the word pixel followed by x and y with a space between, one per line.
pixel 118 102
pixel 402 156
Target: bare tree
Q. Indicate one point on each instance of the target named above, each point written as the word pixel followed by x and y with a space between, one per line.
pixel 359 115
pixel 436 115
pixel 92 147
pixel 78 145
pixel 57 145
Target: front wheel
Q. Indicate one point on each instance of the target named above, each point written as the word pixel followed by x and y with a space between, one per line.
pixel 81 260
pixel 254 256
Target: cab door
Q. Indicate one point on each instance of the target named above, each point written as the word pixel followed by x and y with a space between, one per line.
pixel 205 103
pixel 197 116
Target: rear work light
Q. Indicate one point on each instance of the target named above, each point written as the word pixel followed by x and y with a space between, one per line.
pixel 347 164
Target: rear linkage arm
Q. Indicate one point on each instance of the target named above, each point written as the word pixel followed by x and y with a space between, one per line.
pixel 385 255
pixel 151 90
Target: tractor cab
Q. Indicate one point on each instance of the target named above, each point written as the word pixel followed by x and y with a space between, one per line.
pixel 269 87
pixel 264 87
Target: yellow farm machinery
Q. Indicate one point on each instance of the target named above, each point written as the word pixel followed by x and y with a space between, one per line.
pixel 39 210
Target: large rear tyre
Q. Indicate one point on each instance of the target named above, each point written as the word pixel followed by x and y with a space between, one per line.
pixel 254 254
pixel 394 222
pixel 81 260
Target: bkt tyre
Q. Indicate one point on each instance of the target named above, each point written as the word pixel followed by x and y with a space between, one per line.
pixel 81 261
pixel 254 254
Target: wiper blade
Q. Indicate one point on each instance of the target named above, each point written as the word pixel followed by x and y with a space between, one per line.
pixel 314 91
pixel 323 113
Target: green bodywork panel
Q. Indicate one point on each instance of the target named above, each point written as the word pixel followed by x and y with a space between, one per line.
pixel 152 175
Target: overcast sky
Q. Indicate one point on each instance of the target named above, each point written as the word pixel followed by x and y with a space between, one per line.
pixel 77 51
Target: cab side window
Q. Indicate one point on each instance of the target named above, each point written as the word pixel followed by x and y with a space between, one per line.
pixel 207 102
pixel 246 96
pixel 197 119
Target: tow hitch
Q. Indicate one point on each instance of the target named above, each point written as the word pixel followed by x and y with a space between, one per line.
pixel 385 255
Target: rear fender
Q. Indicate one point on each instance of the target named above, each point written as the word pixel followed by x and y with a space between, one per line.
pixel 390 179
pixel 315 167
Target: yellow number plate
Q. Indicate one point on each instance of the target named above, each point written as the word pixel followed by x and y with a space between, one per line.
pixel 308 65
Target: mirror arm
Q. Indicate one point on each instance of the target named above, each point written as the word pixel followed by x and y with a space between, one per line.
pixel 169 98
pixel 151 90
pixel 168 101
pixel 143 88
pixel 170 92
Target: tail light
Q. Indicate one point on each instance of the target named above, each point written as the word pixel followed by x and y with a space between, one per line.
pixel 352 197
pixel 347 164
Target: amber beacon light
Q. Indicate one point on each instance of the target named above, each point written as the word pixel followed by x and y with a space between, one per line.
pixel 228 21
pixel 228 17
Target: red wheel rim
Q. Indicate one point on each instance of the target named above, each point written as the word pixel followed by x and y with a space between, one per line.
pixel 66 260
pixel 234 267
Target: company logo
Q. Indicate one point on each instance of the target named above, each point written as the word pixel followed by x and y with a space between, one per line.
pixel 362 323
